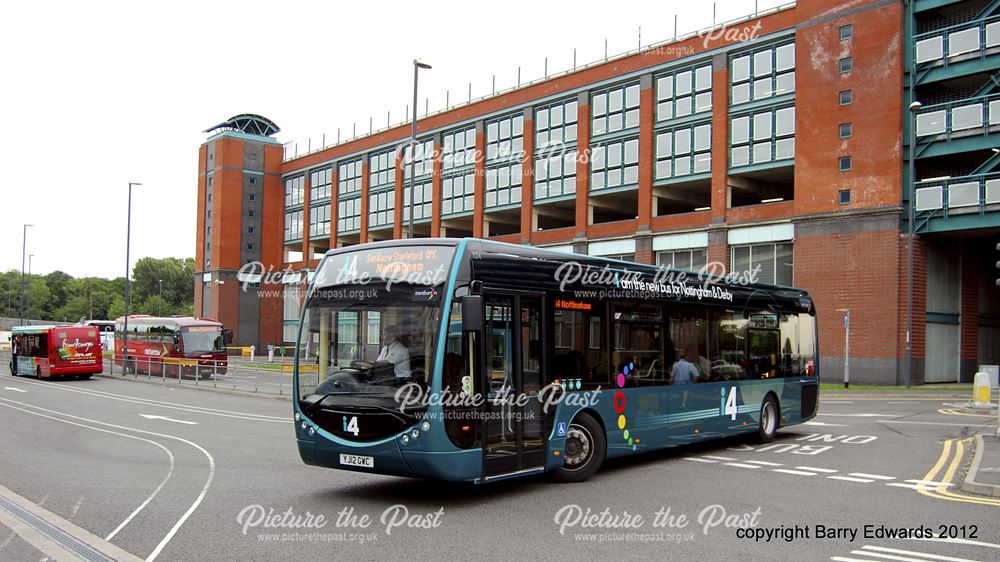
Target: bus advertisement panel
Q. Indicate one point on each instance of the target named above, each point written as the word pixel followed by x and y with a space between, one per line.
pixel 56 351
pixel 174 347
pixel 475 361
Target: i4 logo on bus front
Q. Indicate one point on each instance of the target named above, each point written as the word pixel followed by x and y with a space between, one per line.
pixel 351 426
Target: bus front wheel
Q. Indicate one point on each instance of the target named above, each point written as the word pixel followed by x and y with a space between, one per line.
pixel 584 451
pixel 768 426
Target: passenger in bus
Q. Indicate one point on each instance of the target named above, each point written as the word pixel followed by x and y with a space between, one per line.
pixel 684 371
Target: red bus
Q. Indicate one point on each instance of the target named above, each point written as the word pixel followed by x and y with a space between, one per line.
pixel 171 346
pixel 56 351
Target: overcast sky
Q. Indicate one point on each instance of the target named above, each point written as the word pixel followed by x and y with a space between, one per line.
pixel 97 94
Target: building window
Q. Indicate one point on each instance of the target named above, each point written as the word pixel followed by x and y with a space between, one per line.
pixel 762 137
pixel 690 260
pixel 349 176
pixel 457 193
pixel 293 225
pixel 381 204
pixel 349 215
pixel 846 130
pixel 615 109
pixel 294 191
pixel 253 181
pixel 844 196
pixel 503 185
pixel 319 221
pixel 614 164
pixel 253 155
pixel 458 148
pixel 422 158
pixel 319 184
pixel 846 97
pixel 556 124
pixel 252 197
pixel 555 175
pixel 684 92
pixel 209 198
pixel 505 138
pixel 773 260
pixel 684 151
pixel 291 311
pixel 382 169
pixel 250 246
pixel 251 213
pixel 846 32
pixel 845 163
pixel 762 74
pixel 846 65
pixel 421 203
pixel 250 230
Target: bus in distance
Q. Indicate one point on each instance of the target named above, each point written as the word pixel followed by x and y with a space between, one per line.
pixel 473 360
pixel 56 351
pixel 176 347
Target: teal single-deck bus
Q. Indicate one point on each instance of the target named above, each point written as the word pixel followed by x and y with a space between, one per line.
pixel 471 360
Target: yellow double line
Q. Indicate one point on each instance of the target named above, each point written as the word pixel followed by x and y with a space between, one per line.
pixel 958 412
pixel 940 491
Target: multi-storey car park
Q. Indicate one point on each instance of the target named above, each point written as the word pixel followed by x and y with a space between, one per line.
pixel 789 151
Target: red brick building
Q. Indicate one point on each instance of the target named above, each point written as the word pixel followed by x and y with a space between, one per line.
pixel 778 142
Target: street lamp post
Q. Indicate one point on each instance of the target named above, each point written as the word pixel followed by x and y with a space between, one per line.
pixel 24 250
pixel 128 241
pixel 28 295
pixel 847 346
pixel 160 300
pixel 417 65
pixel 912 195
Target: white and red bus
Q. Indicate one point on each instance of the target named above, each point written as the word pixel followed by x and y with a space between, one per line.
pixel 56 351
pixel 171 346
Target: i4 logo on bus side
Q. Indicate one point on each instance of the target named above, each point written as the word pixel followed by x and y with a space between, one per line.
pixel 351 426
pixel 730 408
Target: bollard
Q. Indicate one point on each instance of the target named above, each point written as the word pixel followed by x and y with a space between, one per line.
pixel 253 351
pixel 270 353
pixel 981 391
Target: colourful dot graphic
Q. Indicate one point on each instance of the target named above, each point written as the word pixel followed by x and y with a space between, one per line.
pixel 620 401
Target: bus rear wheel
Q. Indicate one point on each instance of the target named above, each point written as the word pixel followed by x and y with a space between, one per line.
pixel 768 426
pixel 585 449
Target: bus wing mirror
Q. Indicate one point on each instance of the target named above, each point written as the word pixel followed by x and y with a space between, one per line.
pixel 472 313
pixel 227 336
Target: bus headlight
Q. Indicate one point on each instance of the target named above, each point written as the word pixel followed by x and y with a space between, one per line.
pixel 303 426
pixel 297 416
pixel 415 433
pixel 405 439
pixel 426 426
pixel 312 431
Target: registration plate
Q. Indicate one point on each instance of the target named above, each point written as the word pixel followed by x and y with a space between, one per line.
pixel 357 460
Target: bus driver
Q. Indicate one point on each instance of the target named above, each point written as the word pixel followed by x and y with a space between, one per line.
pixel 395 352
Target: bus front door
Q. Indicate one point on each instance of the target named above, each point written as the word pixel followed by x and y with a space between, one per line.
pixel 514 423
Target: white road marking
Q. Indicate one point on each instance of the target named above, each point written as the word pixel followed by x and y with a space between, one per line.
pixel 170 455
pixel 201 496
pixel 825 424
pixel 929 482
pixel 765 463
pixel 165 418
pixel 696 459
pixel 813 469
pixel 168 405
pixel 914 486
pixel 959 541
pixel 796 472
pixel 740 465
pixel 923 555
pixel 875 476
pixel 846 559
pixel 859 415
pixel 14 389
pixel 983 426
pixel 76 508
pixel 851 479
pixel 718 458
